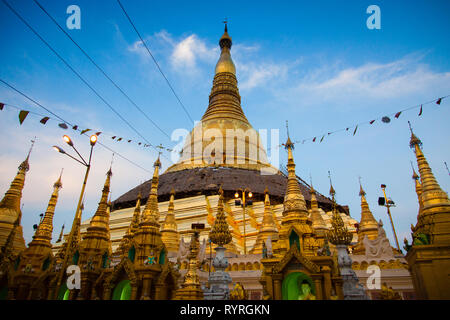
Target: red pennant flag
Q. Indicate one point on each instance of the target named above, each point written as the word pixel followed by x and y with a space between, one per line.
pixel 119 139
pixel 44 120
pixel 63 125
pixel 420 112
pixel 355 130
pixel 371 122
pixel 75 128
pixel 398 114
pixel 439 101
pixel 314 140
pixel 84 131
pixel 22 115
pixel 113 137
pixel 322 138
pixel 1 106
pixel 98 133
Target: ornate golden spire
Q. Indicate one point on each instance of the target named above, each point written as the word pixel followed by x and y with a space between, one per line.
pixel 268 227
pixel 10 207
pixel 99 224
pixel 339 234
pixel 294 201
pixel 436 205
pixel 318 223
pixel 43 234
pixel 368 225
pixel 151 211
pixel 220 233
pixel 61 234
pixel 225 63
pixel 169 230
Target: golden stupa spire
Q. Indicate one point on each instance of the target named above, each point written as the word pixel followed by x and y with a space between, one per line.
pixel 318 223
pixel 224 100
pixel 61 234
pixel 10 209
pixel 294 201
pixel 151 211
pixel 339 234
pixel 368 226
pixel 436 205
pixel 169 230
pixel 43 234
pixel 99 224
pixel 132 228
pixel 268 226
pixel 220 233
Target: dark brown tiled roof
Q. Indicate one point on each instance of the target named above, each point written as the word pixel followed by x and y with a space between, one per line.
pixel 198 181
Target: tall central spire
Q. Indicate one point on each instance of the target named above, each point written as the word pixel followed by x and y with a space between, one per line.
pixel 224 136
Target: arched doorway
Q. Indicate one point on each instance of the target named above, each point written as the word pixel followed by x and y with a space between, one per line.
pixel 64 292
pixel 295 286
pixel 294 240
pixel 122 291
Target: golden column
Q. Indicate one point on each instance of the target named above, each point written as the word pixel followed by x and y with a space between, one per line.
pixel 428 257
pixel 243 202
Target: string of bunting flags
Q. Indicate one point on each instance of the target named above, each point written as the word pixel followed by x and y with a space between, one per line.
pixel 23 114
pixel 384 119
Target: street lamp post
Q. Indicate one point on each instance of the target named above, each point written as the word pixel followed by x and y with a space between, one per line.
pixel 77 220
pixel 388 203
pixel 243 204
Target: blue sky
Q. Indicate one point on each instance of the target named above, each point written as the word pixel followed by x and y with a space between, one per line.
pixel 314 63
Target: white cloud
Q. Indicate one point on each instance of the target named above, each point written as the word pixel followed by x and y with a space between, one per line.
pixel 254 75
pixel 190 50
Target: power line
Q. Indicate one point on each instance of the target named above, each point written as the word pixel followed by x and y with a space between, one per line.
pixel 67 122
pixel 154 60
pixel 99 68
pixel 74 71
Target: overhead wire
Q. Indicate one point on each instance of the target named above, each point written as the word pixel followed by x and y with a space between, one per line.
pixel 100 69
pixel 156 63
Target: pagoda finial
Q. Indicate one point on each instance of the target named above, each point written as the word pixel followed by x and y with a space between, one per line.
pixel 362 193
pixel 414 140
pixel 225 22
pixel 332 191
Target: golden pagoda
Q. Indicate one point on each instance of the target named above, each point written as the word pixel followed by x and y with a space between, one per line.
pixel 224 121
pixel 95 248
pixel 368 226
pixel 32 274
pixel 295 224
pixel 126 241
pixel 268 227
pixel 428 257
pixel 10 209
pixel 295 271
pixel 169 232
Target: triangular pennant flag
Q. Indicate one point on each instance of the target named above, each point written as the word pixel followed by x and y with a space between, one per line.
pixel 44 120
pixel 63 125
pixel 346 129
pixel 398 114
pixel 439 101
pixel 356 128
pixel 329 133
pixel 119 139
pixel 322 138
pixel 75 127
pixel 84 131
pixel 1 106
pixel 129 140
pixel 371 122
pixel 98 133
pixel 314 140
pixel 22 115
pixel 420 112
pixel 139 143
pixel 113 137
